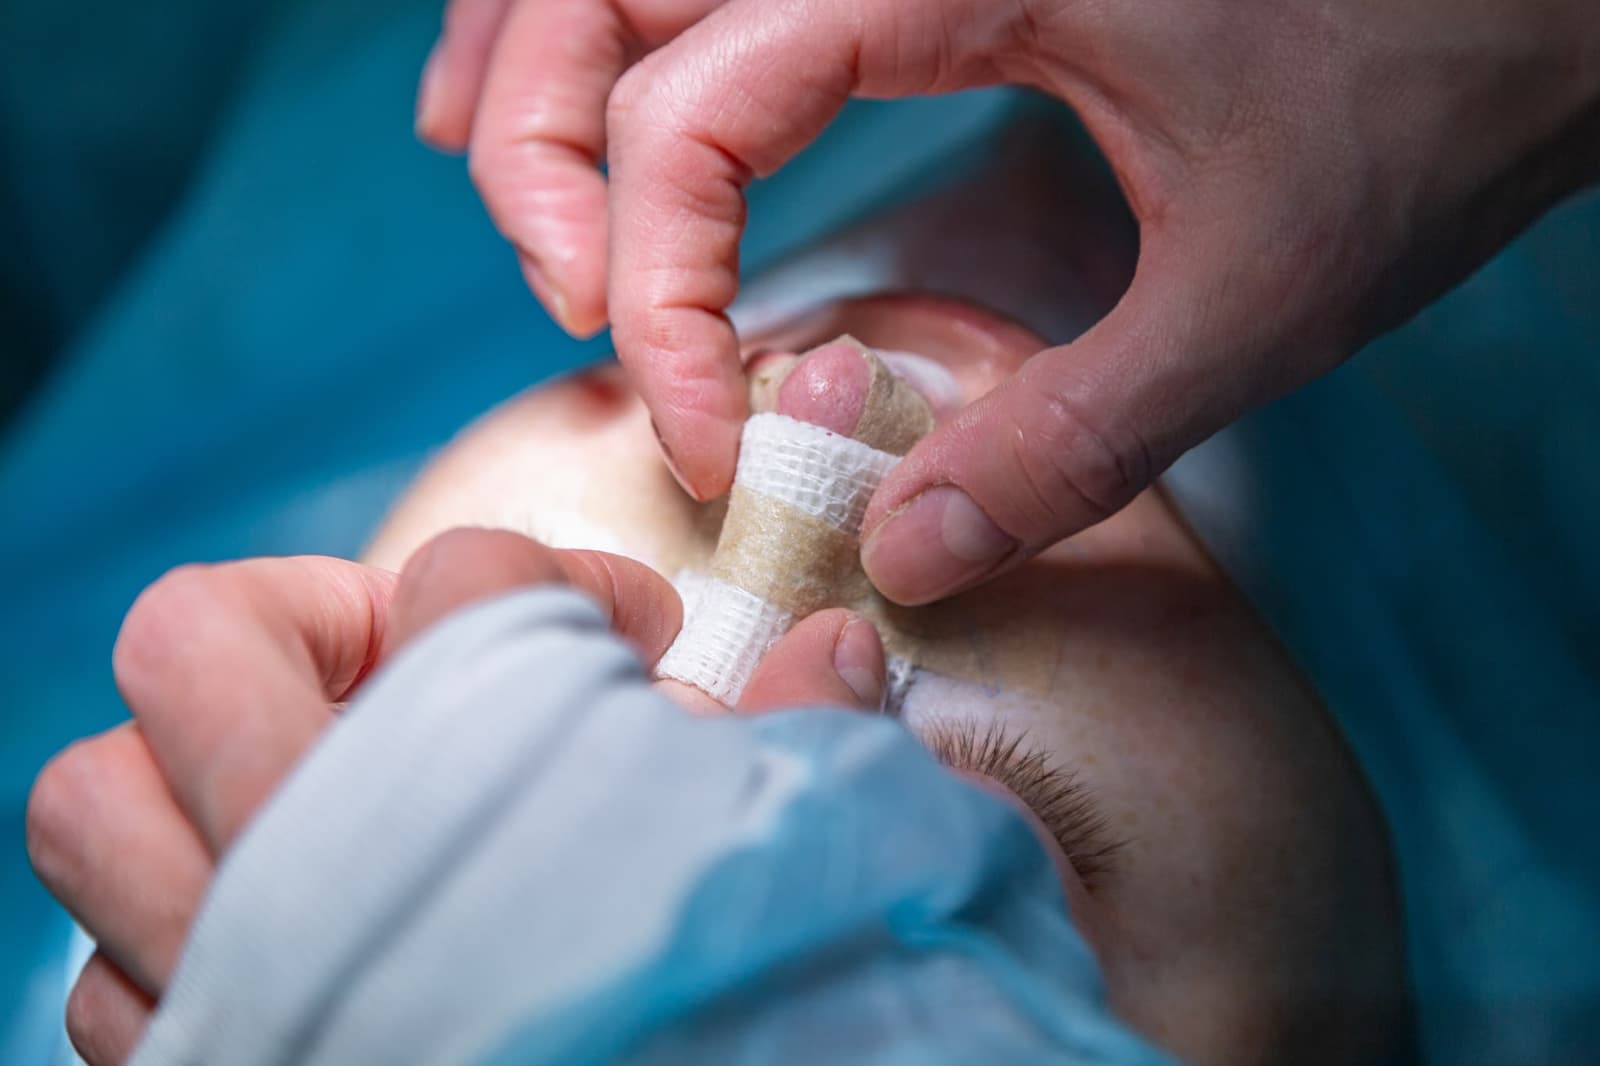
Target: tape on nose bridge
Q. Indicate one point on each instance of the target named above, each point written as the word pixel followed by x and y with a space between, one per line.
pixel 790 542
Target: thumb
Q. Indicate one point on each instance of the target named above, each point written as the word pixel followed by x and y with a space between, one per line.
pixel 1070 439
pixel 462 566
pixel 833 657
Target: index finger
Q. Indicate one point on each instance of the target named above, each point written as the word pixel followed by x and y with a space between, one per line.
pixel 732 98
pixel 231 670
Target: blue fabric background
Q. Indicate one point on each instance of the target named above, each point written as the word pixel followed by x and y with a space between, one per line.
pixel 262 303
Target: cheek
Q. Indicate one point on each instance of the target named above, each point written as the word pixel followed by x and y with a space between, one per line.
pixel 1200 907
pixel 573 464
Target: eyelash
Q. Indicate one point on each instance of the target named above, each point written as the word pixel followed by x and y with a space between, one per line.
pixel 1062 802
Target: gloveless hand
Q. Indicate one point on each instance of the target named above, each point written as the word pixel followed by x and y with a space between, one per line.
pixel 1304 175
pixel 233 671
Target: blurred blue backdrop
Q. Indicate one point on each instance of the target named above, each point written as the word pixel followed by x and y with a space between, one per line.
pixel 240 304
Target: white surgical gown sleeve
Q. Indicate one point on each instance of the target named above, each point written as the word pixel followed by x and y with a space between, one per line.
pixel 510 849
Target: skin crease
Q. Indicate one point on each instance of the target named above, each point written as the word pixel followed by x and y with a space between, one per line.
pixel 1248 915
pixel 1303 176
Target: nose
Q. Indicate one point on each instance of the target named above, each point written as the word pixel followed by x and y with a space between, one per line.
pixel 952 351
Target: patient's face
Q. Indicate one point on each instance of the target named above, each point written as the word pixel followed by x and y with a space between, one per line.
pixel 1223 856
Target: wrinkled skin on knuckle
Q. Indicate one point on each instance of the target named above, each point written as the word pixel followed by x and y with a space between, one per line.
pixel 1070 468
pixel 684 394
pixel 635 330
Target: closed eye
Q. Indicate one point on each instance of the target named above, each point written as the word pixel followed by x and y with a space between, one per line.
pixel 1065 806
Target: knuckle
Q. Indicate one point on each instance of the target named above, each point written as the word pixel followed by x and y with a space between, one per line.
pixel 493 165
pixel 56 807
pixel 437 553
pixel 653 100
pixel 164 621
pixel 464 550
pixel 1072 466
pixel 628 96
pixel 453 541
pixel 655 340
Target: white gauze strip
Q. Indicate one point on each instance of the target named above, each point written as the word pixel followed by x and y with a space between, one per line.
pixel 726 631
pixel 733 630
pixel 798 466
pixel 815 470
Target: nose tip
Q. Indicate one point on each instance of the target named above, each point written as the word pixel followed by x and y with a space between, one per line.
pixel 828 388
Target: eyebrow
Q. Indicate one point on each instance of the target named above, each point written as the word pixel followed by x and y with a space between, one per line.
pixel 1062 802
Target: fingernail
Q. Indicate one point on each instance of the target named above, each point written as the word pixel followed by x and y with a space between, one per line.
pixel 428 91
pixel 672 464
pixel 858 659
pixel 548 293
pixel 932 546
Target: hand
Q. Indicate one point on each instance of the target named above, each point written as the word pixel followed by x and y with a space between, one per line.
pixel 1305 176
pixel 232 672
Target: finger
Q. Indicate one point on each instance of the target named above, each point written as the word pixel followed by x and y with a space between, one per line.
pixel 641 606
pixel 733 97
pixel 539 137
pixel 230 670
pixel 832 658
pixel 1072 437
pixel 452 77
pixel 462 566
pixel 537 143
pixel 690 698
pixel 106 1013
pixel 109 841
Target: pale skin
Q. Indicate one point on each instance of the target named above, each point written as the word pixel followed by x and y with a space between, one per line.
pixel 1304 176
pixel 1252 878
pixel 1246 914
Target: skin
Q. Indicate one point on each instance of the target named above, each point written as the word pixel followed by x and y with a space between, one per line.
pixel 232 671
pixel 1303 177
pixel 1248 915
